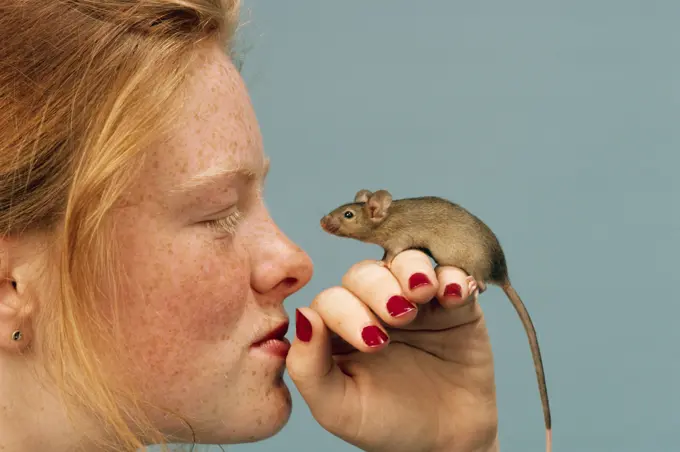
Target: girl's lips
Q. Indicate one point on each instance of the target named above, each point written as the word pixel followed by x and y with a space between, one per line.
pixel 275 342
pixel 276 347
pixel 277 333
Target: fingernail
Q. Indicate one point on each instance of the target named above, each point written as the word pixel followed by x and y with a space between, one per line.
pixel 398 305
pixel 453 289
pixel 373 336
pixel 417 280
pixel 303 328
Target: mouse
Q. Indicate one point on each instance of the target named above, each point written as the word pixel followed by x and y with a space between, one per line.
pixel 447 233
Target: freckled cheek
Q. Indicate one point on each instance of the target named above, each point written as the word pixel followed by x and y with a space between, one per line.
pixel 201 296
pixel 214 298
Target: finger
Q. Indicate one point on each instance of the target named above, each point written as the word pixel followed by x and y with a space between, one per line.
pixel 415 275
pixel 435 317
pixel 455 287
pixel 310 363
pixel 456 334
pixel 378 289
pixel 347 316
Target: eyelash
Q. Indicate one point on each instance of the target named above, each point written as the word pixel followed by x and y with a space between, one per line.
pixel 226 224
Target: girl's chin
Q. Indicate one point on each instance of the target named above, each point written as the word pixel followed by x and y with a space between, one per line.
pixel 264 420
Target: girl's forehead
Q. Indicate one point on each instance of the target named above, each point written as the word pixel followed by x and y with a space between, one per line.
pixel 216 129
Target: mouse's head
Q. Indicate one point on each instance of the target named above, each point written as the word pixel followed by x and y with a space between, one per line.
pixel 358 220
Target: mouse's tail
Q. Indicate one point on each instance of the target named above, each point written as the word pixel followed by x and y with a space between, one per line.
pixel 536 353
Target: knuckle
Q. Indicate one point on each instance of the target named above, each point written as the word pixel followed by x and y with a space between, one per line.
pixel 364 270
pixel 453 273
pixel 407 260
pixel 301 377
pixel 412 255
pixel 326 296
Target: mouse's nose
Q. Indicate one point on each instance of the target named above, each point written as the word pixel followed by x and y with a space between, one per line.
pixel 329 224
pixel 324 222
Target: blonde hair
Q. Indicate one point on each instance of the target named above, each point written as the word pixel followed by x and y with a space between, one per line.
pixel 85 86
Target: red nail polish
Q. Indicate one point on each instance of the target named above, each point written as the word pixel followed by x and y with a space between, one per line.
pixel 303 328
pixel 373 336
pixel 417 280
pixel 453 290
pixel 398 305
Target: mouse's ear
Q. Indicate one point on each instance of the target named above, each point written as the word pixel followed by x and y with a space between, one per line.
pixel 378 204
pixel 362 195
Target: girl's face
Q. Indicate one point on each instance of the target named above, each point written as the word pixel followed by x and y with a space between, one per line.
pixel 207 270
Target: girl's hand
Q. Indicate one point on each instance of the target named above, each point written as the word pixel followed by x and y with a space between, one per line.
pixel 388 362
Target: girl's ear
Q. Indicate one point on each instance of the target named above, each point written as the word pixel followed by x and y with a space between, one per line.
pixel 15 318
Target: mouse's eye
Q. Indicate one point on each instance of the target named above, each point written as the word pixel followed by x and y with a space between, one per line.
pixel 349 214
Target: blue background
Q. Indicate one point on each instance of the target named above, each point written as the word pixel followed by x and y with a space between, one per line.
pixel 556 123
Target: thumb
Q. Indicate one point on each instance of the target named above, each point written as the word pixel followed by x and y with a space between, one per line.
pixel 312 368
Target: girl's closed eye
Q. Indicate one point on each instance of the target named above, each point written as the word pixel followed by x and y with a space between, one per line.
pixel 226 224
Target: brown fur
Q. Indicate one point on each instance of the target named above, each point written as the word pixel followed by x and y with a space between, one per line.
pixel 449 234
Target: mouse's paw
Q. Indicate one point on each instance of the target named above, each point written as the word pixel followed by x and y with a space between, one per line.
pixel 472 285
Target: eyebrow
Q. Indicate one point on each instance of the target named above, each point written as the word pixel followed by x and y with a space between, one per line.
pixel 214 175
